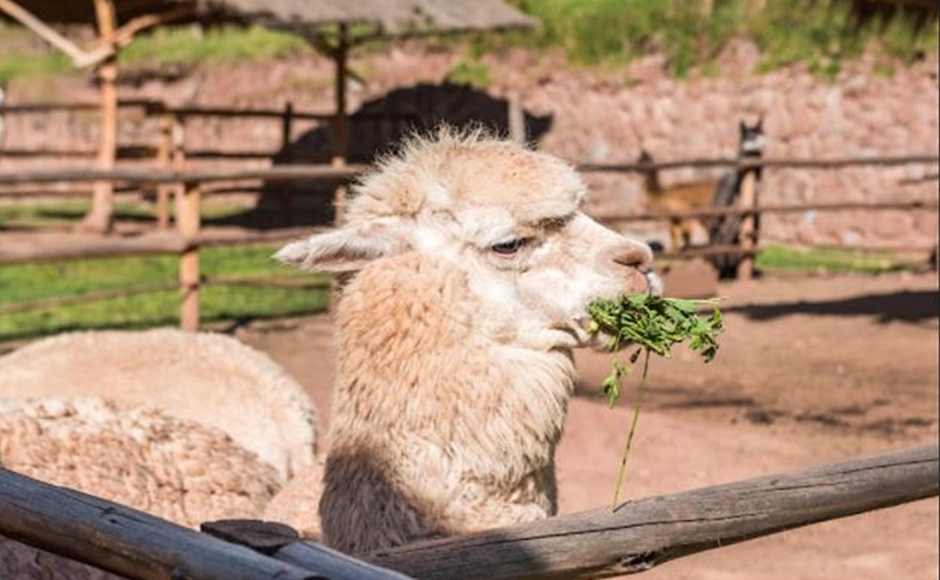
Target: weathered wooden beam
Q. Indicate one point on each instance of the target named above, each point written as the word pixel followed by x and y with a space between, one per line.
pixel 123 540
pixel 79 57
pixel 103 248
pixel 644 533
pixel 832 163
pixel 773 208
pixel 281 173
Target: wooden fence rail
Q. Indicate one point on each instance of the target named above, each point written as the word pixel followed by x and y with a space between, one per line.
pixel 645 533
pixel 832 163
pixel 636 537
pixel 191 182
pixel 135 544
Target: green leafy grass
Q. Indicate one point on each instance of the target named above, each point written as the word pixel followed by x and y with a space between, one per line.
pixel 470 72
pixel 175 45
pixel 33 214
pixel 821 34
pixel 785 258
pixel 23 59
pixel 27 282
pixel 650 324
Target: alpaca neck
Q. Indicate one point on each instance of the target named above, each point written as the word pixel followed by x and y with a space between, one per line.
pixel 410 325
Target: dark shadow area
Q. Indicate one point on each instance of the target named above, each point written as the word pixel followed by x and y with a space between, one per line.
pixel 906 306
pixel 375 129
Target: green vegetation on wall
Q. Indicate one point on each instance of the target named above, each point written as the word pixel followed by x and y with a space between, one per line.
pixel 609 32
pixel 822 33
pixel 21 59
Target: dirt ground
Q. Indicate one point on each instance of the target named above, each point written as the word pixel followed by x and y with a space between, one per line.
pixel 810 370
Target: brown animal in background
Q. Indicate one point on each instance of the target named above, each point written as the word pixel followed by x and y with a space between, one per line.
pixel 681 197
pixel 685 197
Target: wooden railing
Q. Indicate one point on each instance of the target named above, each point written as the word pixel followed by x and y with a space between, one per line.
pixel 188 237
pixel 633 538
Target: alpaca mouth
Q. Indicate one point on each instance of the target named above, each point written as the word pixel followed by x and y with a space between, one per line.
pixel 654 284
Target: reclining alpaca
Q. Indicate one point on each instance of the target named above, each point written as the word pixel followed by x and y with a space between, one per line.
pixel 455 367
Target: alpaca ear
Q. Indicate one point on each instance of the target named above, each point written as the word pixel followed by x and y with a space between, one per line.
pixel 346 249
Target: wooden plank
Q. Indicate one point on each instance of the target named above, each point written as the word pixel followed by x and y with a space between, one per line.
pixel 101 216
pixel 32 108
pixel 747 231
pixel 104 248
pixel 281 173
pixel 123 540
pixel 341 120
pixel 644 533
pixel 141 151
pixel 773 209
pixel 164 190
pixel 832 163
pixel 305 282
pixel 79 57
pixel 188 221
pixel 516 117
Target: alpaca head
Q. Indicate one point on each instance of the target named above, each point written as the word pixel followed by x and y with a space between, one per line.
pixel 507 216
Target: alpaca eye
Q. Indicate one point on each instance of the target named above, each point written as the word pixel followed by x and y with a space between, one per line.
pixel 509 248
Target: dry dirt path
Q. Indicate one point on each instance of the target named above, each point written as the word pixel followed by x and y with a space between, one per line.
pixel 810 370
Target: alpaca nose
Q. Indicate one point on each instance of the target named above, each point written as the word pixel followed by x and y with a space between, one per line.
pixel 635 255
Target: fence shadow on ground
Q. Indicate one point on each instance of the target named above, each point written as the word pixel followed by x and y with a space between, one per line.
pixel 374 129
pixel 906 306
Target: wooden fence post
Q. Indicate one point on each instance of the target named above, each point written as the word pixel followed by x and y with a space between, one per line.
pixel 748 230
pixel 164 153
pixel 341 119
pixel 516 118
pixel 187 222
pixel 287 122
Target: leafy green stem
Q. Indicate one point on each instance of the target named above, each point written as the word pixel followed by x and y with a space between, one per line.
pixel 641 391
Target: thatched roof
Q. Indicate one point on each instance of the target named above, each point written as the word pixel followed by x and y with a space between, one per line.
pixel 386 17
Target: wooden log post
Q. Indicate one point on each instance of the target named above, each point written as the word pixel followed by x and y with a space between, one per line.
pixel 341 119
pixel 188 222
pixel 748 230
pixel 164 155
pixel 516 118
pixel 101 216
pixel 287 122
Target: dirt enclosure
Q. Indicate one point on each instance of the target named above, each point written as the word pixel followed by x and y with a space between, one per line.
pixel 810 370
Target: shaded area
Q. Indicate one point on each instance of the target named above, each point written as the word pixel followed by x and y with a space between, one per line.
pixel 904 306
pixel 374 130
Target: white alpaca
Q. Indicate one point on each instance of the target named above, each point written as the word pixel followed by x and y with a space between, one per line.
pixel 475 265
pixel 188 427
pixel 211 379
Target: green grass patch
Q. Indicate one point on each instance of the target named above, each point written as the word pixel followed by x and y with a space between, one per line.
pixel 605 32
pixel 470 72
pixel 26 282
pixel 187 45
pixel 22 58
pixel 35 214
pixel 786 258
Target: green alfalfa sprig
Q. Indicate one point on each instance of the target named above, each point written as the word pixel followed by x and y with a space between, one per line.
pixel 655 324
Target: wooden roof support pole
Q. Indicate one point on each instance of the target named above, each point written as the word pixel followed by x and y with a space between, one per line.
pixel 44 31
pixel 100 217
pixel 341 121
